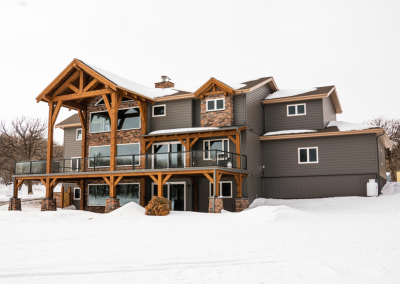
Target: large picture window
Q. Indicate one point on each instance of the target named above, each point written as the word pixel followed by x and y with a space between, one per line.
pixel 126 192
pixel 221 145
pixel 299 109
pixel 127 119
pixel 225 189
pixel 308 155
pixel 125 151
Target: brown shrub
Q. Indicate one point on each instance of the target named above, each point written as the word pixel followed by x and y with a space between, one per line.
pixel 158 206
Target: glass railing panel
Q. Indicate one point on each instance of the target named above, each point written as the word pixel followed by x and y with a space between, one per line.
pixel 99 162
pixel 23 168
pixel 38 167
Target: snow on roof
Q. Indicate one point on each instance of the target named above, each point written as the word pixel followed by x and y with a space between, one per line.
pixel 288 93
pixel 178 130
pixel 347 126
pixel 288 132
pixel 132 86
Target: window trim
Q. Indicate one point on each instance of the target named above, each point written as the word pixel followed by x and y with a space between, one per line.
pixel 215 104
pixel 204 147
pixel 117 155
pixel 80 195
pixel 87 203
pixel 165 110
pixel 308 155
pixel 90 124
pixel 296 114
pixel 220 191
pixel 76 135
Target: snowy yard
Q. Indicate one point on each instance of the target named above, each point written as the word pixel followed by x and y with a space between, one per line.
pixel 39 191
pixel 333 240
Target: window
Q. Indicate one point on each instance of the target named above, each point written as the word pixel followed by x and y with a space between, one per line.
pixel 215 105
pixel 308 155
pixel 75 164
pixel 169 155
pixel 125 151
pixel 77 193
pixel 79 134
pixel 127 119
pixel 126 192
pixel 296 109
pixel 225 189
pixel 159 110
pixel 101 101
pixel 220 145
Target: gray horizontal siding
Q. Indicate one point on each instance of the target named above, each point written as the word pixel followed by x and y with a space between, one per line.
pixel 317 186
pixel 329 110
pixel 277 119
pixel 72 147
pixel 255 111
pixel 352 154
pixel 238 110
pixel 178 115
pixel 197 113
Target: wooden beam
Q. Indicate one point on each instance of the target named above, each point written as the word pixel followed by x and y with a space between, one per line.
pixel 239 165
pixel 217 178
pixel 55 114
pixel 160 185
pixel 193 142
pixel 81 81
pixel 53 182
pixel 166 179
pixel 209 177
pixel 91 85
pixel 43 182
pixel 50 132
pixel 76 96
pixel 118 180
pixel 73 88
pixel 107 103
pixel 143 116
pixel 64 86
pixel 71 104
pixel 233 139
pixel 153 178
pixel 114 125
pixel 149 145
pixel 107 181
pixel 62 197
pixel 143 192
pixel 83 120
pixel 169 137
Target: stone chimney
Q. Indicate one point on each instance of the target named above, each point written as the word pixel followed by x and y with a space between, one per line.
pixel 165 83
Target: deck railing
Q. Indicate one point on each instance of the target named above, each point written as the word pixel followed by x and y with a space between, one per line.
pixel 170 160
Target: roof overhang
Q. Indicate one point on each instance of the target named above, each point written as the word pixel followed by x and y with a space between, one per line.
pixel 68 125
pixel 332 93
pixel 377 131
pixel 213 82
pixel 214 132
pixel 270 81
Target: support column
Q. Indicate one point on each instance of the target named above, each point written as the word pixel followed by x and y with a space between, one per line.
pixel 113 202
pixel 219 205
pixel 83 119
pixel 62 198
pixel 143 192
pixel 114 124
pixel 15 202
pixel 241 204
pixel 49 203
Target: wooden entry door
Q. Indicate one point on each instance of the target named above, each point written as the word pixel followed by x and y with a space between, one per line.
pixel 67 199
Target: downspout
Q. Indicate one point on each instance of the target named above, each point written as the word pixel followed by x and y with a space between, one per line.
pixel 377 157
pixel 213 197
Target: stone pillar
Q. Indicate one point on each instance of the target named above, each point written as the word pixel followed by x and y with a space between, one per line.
pixel 49 204
pixel 241 204
pixel 112 204
pixel 219 205
pixel 15 204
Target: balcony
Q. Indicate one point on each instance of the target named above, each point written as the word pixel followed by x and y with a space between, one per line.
pixel 171 160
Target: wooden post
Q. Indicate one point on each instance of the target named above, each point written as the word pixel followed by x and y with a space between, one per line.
pixel 50 133
pixel 160 185
pixel 83 119
pixel 187 149
pixel 70 196
pixel 216 179
pixel 82 187
pixel 143 115
pixel 142 192
pixel 114 121
pixel 239 182
pixel 62 197
pixel 239 166
pixel 17 184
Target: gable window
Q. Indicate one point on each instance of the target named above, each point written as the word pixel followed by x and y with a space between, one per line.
pixel 308 155
pixel 127 119
pixel 299 109
pixel 124 153
pixel 225 189
pixel 215 105
pixel 101 101
pixel 159 110
pixel 220 145
pixel 79 134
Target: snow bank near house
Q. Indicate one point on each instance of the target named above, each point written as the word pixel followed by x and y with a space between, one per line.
pixel 258 202
pixel 391 188
pixel 132 209
pixel 288 93
pixel 288 132
pixel 71 207
pixel 347 126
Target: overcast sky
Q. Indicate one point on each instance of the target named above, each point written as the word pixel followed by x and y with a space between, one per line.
pixel 353 45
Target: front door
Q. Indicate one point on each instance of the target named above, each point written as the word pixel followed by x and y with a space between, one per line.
pixel 174 191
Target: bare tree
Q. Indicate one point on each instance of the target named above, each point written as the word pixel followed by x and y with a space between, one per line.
pixel 24 139
pixel 392 128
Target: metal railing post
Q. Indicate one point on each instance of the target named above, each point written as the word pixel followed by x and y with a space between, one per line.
pixel 133 162
pixel 169 160
pixel 94 164
pixel 216 158
pixel 30 167
pixel 64 165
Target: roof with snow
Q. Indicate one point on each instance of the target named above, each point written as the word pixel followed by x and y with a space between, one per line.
pixel 190 130
pixel 73 120
pixel 284 93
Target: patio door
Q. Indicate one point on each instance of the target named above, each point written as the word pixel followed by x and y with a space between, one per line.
pixel 174 191
pixel 168 155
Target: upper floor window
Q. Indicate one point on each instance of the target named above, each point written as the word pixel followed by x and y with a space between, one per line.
pixel 215 148
pixel 308 155
pixel 127 119
pixel 125 154
pixel 79 134
pixel 101 101
pixel 299 109
pixel 159 110
pixel 216 104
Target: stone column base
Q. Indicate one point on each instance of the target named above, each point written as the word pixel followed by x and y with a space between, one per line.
pixel 219 205
pixel 15 204
pixel 49 204
pixel 241 204
pixel 112 204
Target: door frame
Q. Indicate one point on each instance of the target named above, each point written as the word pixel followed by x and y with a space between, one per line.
pixel 169 190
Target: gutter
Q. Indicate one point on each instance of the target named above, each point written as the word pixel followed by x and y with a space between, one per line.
pixel 378 176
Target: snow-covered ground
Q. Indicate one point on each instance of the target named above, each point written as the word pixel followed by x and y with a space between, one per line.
pixel 332 240
pixel 39 191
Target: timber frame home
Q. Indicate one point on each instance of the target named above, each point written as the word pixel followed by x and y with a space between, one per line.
pixel 129 142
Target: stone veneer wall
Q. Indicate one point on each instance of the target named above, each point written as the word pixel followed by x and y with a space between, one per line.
pixel 104 138
pixel 101 209
pixel 217 118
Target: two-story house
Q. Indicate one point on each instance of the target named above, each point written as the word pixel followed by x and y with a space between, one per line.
pixel 129 142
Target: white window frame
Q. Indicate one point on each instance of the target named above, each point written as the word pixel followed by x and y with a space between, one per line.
pixel 80 195
pixel 169 150
pixel 90 117
pixel 308 155
pixel 76 136
pixel 296 114
pixel 220 191
pixel 215 104
pixel 74 158
pixel 110 157
pixel 165 110
pixel 169 188
pixel 87 203
pixel 204 148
